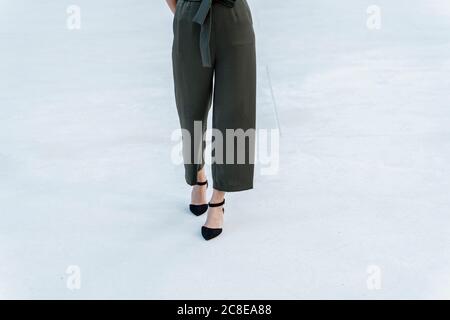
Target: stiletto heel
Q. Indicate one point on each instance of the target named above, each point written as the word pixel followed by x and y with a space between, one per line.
pixel 211 233
pixel 199 209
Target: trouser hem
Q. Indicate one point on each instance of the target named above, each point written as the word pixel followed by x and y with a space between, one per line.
pixel 231 188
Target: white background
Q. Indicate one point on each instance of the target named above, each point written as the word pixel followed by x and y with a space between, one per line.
pixel 86 177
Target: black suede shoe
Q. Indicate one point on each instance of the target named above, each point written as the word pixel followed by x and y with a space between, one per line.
pixel 199 209
pixel 211 233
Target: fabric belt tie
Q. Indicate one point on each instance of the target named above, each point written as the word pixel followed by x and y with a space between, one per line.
pixel 204 18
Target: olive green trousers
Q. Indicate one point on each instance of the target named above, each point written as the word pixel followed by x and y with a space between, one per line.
pixel 214 62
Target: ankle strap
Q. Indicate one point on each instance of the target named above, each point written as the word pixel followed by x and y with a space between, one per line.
pixel 213 205
pixel 202 183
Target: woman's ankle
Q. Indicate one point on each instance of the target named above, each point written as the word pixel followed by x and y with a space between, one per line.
pixel 217 196
pixel 201 175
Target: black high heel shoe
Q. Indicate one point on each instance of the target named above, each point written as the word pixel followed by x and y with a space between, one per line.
pixel 211 233
pixel 199 209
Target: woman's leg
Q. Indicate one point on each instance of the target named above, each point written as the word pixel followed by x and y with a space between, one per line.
pixel 234 113
pixel 193 87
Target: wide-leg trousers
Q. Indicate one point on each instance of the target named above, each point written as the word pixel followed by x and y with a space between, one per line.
pixel 214 63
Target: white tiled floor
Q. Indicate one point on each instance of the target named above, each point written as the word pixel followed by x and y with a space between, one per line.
pixel 86 178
